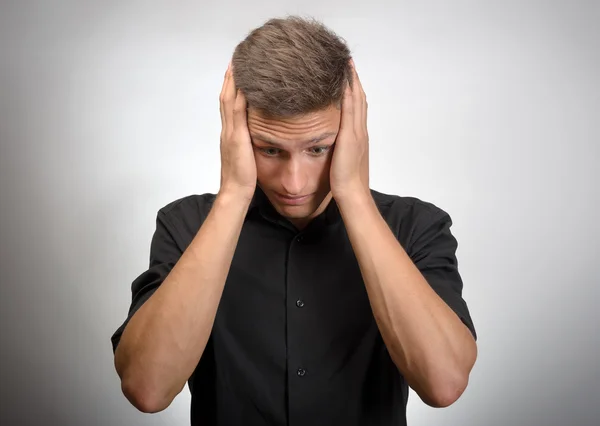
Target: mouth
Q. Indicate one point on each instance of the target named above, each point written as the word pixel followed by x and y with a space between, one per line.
pixel 292 201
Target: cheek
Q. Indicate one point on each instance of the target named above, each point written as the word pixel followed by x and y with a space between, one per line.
pixel 264 167
pixel 323 168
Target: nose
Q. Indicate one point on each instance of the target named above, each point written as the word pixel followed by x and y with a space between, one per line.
pixel 293 178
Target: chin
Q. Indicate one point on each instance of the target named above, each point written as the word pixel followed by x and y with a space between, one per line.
pixel 300 211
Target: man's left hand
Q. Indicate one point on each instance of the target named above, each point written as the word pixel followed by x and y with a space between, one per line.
pixel 349 173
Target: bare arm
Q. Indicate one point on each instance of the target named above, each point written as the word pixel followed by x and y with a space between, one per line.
pixel 425 338
pixel 427 341
pixel 164 340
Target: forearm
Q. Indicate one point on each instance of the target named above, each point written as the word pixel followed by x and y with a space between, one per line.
pixel 427 341
pixel 163 342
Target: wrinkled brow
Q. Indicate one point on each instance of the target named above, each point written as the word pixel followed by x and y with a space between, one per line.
pixel 271 141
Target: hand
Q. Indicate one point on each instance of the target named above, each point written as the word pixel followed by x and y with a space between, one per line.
pixel 238 167
pixel 349 173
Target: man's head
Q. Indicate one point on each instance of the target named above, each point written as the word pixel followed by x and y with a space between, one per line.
pixel 293 72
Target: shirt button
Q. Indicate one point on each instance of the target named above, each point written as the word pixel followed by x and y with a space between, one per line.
pixel 300 239
pixel 299 303
pixel 301 372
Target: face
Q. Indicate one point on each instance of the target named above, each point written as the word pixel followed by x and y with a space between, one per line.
pixel 293 157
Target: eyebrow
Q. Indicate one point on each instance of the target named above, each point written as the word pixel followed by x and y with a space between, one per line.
pixel 271 141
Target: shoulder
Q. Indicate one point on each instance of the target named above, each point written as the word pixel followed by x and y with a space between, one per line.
pixel 409 216
pixel 195 204
pixel 184 216
pixel 406 206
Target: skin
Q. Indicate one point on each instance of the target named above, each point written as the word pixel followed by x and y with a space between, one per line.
pixel 293 158
pixel 164 340
pixel 427 341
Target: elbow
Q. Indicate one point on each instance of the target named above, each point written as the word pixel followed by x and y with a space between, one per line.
pixel 444 393
pixel 446 388
pixel 444 399
pixel 137 387
pixel 144 398
pixel 440 388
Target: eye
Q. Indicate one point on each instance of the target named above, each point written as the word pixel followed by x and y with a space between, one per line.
pixel 319 150
pixel 270 152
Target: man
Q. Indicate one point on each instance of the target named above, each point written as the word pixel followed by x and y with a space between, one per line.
pixel 296 295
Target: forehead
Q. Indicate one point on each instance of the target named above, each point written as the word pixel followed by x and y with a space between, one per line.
pixel 294 128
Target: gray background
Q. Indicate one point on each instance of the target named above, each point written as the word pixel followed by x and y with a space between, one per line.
pixel 491 110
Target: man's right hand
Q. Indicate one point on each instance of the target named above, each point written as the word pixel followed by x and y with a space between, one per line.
pixel 238 167
pixel 163 342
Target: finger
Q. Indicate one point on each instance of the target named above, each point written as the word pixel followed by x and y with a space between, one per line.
pixel 360 99
pixel 222 94
pixel 229 98
pixel 347 119
pixel 240 121
pixel 225 78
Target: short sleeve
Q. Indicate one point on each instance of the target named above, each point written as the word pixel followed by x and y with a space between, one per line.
pixel 434 253
pixel 164 254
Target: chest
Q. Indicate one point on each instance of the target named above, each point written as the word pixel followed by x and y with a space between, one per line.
pixel 295 288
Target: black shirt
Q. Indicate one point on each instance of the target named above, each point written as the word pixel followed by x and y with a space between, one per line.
pixel 294 340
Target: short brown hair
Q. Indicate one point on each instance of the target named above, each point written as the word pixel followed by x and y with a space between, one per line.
pixel 292 66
